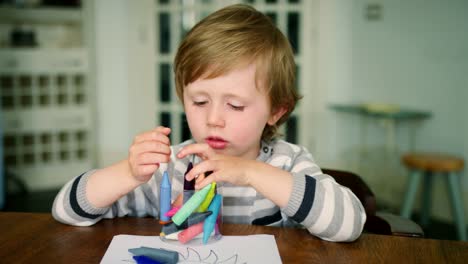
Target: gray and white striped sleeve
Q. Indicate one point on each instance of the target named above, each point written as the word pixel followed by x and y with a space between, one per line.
pixel 72 207
pixel 328 210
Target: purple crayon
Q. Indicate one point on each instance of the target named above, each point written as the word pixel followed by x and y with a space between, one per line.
pixel 189 186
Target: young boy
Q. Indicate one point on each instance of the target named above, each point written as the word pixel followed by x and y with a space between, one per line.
pixel 235 76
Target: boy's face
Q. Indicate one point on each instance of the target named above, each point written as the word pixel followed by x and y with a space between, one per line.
pixel 229 112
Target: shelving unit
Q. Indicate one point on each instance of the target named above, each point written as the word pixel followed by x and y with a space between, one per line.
pixel 46 101
pixel 40 15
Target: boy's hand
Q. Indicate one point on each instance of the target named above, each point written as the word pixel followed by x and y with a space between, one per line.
pixel 225 168
pixel 147 151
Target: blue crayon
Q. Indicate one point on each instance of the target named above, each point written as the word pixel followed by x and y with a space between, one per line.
pixel 189 186
pixel 161 255
pixel 210 221
pixel 164 199
pixel 145 260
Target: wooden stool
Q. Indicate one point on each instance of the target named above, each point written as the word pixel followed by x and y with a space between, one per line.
pixel 429 164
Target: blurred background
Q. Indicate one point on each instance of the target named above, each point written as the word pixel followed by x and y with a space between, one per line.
pixel 79 79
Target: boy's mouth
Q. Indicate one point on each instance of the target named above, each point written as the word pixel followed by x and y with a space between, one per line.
pixel 216 142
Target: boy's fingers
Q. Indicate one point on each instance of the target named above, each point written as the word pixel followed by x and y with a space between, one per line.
pixel 200 178
pixel 146 170
pixel 200 149
pixel 162 129
pixel 150 146
pixel 201 168
pixel 158 134
pixel 153 158
pixel 205 182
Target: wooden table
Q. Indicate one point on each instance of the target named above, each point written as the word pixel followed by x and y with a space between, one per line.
pixel 38 238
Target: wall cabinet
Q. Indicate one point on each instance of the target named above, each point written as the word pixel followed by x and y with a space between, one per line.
pixel 45 94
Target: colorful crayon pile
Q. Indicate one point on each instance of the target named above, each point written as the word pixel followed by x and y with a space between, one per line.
pixel 196 218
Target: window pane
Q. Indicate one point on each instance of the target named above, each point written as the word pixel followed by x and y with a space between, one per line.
pixel 28 158
pixel 298 78
pixel 28 140
pixel 81 136
pixel 294 1
pixel 8 102
pixel 165 121
pixel 185 128
pixel 291 130
pixel 272 16
pixel 271 1
pixel 9 141
pixel 6 84
pixel 10 160
pixel 165 82
pixel 293 31
pixel 164 33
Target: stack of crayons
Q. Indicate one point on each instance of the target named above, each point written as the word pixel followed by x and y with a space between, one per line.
pixel 196 218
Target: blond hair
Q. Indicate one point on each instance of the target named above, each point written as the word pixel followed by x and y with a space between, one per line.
pixel 232 37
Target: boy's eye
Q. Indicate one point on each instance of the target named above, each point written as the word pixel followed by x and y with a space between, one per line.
pixel 237 107
pixel 199 103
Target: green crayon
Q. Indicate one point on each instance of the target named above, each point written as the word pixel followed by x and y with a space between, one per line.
pixel 204 206
pixel 191 205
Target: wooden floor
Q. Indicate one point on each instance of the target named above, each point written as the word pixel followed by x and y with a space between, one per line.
pixel 42 202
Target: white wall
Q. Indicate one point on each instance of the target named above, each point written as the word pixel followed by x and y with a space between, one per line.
pixel 415 56
pixel 334 80
pixel 124 58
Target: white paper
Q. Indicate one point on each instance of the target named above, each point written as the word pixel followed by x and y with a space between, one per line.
pixel 227 250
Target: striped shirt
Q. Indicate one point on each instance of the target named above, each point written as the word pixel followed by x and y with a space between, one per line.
pixel 328 210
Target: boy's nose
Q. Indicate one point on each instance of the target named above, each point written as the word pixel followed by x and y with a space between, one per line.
pixel 215 117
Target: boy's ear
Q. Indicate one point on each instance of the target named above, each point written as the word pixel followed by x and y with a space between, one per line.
pixel 276 115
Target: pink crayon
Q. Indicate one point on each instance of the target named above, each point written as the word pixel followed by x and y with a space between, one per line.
pixel 173 211
pixel 191 232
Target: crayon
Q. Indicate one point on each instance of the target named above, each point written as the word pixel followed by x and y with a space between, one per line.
pixel 193 219
pixel 189 186
pixel 210 221
pixel 189 233
pixel 218 222
pixel 164 199
pixel 191 205
pixel 161 255
pixel 145 260
pixel 173 211
pixel 209 197
pixel 179 201
pixel 173 236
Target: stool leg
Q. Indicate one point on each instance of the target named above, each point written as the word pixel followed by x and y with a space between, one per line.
pixel 413 181
pixel 457 205
pixel 426 199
